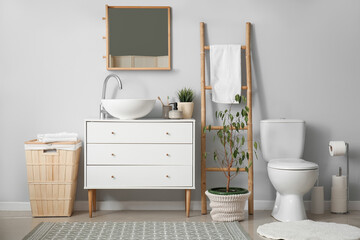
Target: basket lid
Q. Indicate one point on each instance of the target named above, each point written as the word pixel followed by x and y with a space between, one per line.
pixel 36 145
pixel 35 141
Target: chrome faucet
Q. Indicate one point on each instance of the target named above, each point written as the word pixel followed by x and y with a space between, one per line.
pixel 103 112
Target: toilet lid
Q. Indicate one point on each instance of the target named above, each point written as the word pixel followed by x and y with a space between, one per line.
pixel 292 164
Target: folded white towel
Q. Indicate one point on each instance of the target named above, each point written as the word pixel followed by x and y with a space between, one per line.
pixel 57 137
pixel 225 72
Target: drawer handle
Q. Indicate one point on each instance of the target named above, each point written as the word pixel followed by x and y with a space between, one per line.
pixel 167 176
pixel 167 155
pixel 113 133
pixel 113 154
pixel 167 133
pixel 113 177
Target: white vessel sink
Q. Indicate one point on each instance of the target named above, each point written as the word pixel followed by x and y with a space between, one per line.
pixel 128 108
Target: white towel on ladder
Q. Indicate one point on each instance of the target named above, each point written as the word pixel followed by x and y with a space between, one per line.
pixel 225 72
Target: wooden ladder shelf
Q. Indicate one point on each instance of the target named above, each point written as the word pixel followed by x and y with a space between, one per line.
pixel 248 127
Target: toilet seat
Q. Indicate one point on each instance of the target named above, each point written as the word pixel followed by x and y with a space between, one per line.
pixel 292 164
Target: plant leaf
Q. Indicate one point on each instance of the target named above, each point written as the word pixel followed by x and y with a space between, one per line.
pixel 186 95
pixel 242 140
pixel 231 117
pixel 242 156
pixel 238 98
pixel 235 153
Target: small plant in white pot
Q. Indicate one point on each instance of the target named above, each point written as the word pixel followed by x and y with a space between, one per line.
pixel 186 104
pixel 227 202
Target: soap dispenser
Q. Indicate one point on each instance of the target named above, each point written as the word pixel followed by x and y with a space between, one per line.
pixel 175 113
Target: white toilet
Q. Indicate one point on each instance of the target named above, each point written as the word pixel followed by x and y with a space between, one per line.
pixel 282 146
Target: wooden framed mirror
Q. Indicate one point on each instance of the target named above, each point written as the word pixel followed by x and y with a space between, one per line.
pixel 138 38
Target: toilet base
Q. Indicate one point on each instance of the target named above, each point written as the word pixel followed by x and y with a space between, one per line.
pixel 289 208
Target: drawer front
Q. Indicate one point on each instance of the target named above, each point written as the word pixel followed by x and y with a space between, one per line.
pixel 139 154
pixel 108 132
pixel 138 177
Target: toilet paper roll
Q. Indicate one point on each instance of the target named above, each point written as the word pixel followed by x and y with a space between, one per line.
pixel 338 205
pixel 337 148
pixel 317 200
pixel 339 181
pixel 338 193
pixel 339 198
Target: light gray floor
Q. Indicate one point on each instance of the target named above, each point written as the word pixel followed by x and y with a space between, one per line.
pixel 15 225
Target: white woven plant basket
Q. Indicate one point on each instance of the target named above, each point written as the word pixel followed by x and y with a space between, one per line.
pixel 227 208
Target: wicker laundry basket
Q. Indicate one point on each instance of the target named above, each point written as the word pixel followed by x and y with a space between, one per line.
pixel 52 171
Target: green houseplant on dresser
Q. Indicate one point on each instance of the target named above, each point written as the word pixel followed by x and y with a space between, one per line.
pixel 186 104
pixel 227 202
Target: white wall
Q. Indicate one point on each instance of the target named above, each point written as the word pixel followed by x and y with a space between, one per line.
pixel 306 57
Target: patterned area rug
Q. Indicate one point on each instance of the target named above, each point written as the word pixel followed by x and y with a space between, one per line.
pixel 138 230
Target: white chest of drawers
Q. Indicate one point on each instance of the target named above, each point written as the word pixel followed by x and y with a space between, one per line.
pixel 139 154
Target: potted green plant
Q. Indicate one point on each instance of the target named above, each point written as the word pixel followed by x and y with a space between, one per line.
pixel 227 202
pixel 186 104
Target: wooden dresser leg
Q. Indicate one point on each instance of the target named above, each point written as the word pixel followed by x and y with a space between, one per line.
pixel 94 200
pixel 185 200
pixel 90 200
pixel 188 200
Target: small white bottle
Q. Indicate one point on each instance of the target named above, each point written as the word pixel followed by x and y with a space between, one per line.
pixel 175 113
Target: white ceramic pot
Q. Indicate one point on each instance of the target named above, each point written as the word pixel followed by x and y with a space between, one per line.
pixel 187 108
pixel 227 208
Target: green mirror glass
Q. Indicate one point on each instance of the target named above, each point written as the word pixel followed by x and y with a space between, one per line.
pixel 138 38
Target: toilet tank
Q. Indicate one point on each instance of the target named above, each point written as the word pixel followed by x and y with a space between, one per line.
pixel 282 138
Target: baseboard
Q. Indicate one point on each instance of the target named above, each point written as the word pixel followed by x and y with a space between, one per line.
pixel 155 205
pixel 15 206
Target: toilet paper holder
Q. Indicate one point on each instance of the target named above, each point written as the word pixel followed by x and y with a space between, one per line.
pixel 347 173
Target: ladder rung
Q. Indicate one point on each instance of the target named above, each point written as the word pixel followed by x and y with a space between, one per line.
pixel 208 47
pixel 221 127
pixel 222 169
pixel 210 87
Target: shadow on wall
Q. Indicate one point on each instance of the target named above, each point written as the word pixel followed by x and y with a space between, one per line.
pixel 318 135
pixel 354 155
pixel 260 112
pixel 257 79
